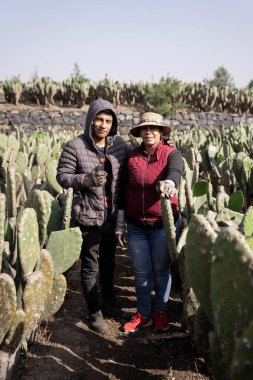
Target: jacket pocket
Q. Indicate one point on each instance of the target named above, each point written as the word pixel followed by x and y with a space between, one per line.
pixel 87 211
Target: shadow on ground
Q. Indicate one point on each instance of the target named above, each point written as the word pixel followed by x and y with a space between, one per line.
pixel 68 349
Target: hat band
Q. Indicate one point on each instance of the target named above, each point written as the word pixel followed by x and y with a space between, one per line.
pixel 157 121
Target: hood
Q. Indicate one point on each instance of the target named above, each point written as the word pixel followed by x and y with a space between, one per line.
pixel 97 106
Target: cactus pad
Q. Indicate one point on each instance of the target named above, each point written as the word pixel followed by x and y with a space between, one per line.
pixel 247 223
pixel 51 169
pixel 56 298
pixel 47 269
pixel 28 241
pixel 65 247
pixel 198 257
pixel 232 287
pixel 242 364
pixel 8 303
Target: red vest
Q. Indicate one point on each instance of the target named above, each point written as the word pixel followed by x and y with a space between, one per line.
pixel 144 172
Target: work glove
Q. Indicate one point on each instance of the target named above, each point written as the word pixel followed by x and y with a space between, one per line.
pixel 120 228
pixel 170 140
pixel 166 188
pixel 97 177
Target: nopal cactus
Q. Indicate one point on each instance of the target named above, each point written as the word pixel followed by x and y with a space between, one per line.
pixel 198 258
pixel 65 248
pixel 28 241
pixel 8 303
pixel 232 287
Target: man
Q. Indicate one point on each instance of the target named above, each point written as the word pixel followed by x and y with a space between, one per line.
pixel 93 165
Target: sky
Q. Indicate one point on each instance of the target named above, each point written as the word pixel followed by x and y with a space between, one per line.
pixel 130 40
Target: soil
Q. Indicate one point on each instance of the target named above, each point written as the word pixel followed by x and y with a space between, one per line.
pixel 66 348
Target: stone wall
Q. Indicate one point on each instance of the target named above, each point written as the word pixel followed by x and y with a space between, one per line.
pixel 32 118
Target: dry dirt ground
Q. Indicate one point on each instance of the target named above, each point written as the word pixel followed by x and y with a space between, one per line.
pixel 67 349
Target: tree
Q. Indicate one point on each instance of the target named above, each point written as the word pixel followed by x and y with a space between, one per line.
pixel 160 97
pixel 221 78
pixel 77 74
pixel 76 71
pixel 250 85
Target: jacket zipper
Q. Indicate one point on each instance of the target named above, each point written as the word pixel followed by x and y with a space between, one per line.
pixel 112 197
pixel 143 195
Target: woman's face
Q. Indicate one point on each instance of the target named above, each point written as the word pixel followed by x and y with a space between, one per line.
pixel 151 135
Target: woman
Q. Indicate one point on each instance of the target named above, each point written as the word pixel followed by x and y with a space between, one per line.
pixel 154 167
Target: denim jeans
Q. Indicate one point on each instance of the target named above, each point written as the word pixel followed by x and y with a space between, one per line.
pixel 151 263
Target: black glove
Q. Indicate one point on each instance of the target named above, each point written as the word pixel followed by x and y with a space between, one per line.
pixel 97 177
pixel 120 228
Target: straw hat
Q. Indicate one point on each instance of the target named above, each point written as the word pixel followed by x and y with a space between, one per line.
pixel 150 118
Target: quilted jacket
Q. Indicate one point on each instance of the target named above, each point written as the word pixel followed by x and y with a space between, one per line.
pixel 80 156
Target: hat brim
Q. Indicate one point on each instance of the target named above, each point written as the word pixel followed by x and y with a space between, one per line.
pixel 135 131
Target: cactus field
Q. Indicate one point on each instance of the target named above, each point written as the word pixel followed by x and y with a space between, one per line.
pixel 42 313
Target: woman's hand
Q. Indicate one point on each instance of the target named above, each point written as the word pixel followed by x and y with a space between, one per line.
pixel 166 188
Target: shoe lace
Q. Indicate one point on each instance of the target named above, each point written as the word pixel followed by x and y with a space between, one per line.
pixel 136 317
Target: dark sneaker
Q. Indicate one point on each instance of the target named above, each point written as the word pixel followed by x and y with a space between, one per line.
pixel 136 323
pixel 97 323
pixel 110 308
pixel 161 321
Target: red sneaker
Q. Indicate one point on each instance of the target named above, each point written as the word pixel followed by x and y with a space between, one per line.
pixel 137 322
pixel 161 321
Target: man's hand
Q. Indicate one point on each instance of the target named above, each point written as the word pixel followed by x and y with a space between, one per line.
pixel 98 176
pixel 120 228
pixel 166 188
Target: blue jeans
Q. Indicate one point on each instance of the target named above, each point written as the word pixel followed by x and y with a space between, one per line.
pixel 150 260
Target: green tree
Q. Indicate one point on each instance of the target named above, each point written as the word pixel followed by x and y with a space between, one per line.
pixel 221 78
pixel 160 97
pixel 76 74
pixel 250 85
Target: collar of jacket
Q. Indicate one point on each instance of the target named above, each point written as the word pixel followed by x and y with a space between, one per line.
pixel 109 141
pixel 154 151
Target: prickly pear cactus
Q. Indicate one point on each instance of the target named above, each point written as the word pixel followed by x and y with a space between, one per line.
pixel 56 297
pixel 222 200
pixel 2 224
pixel 242 364
pixel 169 226
pixel 247 223
pixel 232 288
pixel 65 248
pixel 67 209
pixel 42 154
pixel 217 367
pixel 28 241
pixel 198 258
pixel 15 332
pixel 25 320
pixel 11 192
pixel 51 169
pixel 33 301
pixel 47 269
pixel 22 161
pixel 49 213
pixel 8 303
pixel 226 215
pixel 236 201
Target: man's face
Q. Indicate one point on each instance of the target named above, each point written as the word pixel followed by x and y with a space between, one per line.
pixel 102 125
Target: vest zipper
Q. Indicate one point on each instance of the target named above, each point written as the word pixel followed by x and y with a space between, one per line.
pixel 143 196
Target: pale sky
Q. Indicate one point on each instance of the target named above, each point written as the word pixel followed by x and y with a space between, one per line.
pixel 127 40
